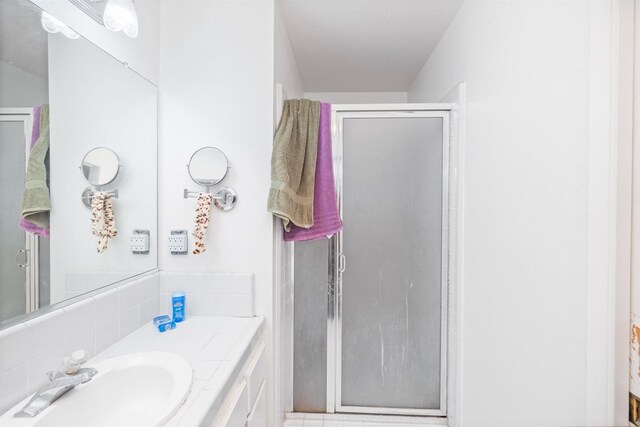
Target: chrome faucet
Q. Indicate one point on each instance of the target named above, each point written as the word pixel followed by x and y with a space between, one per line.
pixel 64 379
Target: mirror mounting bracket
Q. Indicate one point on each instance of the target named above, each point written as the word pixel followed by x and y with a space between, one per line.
pixel 87 195
pixel 225 198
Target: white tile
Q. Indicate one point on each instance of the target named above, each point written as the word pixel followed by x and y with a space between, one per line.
pixel 128 296
pixel 107 305
pixel 82 340
pixel 162 280
pixel 129 321
pixel 371 418
pixel 220 305
pixel 80 316
pixel 196 388
pixel 220 376
pixel 165 304
pixel 313 422
pixel 333 423
pixel 149 287
pixel 204 369
pixel 13 342
pixel 13 384
pixel 197 282
pixel 174 282
pixel 314 416
pixel 200 304
pixel 46 361
pixel 241 283
pixel 294 416
pixel 148 310
pixel 201 405
pixel 352 423
pixel 44 332
pixel 95 280
pixel 222 343
pixel 233 305
pixel 222 283
pixel 107 333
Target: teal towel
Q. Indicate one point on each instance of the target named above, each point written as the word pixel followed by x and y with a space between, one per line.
pixel 36 203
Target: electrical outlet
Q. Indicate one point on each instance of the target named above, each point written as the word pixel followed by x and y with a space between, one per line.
pixel 178 242
pixel 139 242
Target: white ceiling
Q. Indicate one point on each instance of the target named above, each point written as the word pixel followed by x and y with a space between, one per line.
pixel 23 42
pixel 364 45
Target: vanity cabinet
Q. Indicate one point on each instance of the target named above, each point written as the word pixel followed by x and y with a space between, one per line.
pixel 245 404
pixel 258 414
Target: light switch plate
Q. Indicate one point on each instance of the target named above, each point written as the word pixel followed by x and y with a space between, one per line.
pixel 178 242
pixel 139 242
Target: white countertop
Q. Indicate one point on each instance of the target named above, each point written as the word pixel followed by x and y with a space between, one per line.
pixel 216 347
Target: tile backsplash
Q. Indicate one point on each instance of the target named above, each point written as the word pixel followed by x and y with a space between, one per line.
pixel 210 294
pixel 30 349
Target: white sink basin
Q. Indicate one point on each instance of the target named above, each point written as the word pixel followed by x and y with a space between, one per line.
pixel 142 389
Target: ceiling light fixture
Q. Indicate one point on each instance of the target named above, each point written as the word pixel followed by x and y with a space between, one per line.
pixel 53 25
pixel 120 15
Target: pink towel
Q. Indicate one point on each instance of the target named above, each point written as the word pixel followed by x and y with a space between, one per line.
pixel 326 219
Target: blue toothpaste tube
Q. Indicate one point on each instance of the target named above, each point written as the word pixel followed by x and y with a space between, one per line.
pixel 164 323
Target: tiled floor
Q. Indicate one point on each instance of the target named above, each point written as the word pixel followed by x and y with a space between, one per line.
pixel 354 420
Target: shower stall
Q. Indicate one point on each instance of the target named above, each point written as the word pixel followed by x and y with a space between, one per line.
pixel 370 304
pixel 24 259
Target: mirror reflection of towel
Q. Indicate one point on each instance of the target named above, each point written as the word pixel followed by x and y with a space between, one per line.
pixel 36 203
pixel 293 163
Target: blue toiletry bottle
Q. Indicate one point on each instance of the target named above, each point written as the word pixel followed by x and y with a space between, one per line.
pixel 177 302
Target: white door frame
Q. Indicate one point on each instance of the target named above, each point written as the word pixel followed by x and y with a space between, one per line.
pixel 25 115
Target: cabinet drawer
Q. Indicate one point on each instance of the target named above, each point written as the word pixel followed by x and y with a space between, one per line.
pixel 258 415
pixel 255 377
pixel 237 412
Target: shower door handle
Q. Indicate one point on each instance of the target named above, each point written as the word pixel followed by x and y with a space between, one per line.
pixel 342 262
pixel 25 260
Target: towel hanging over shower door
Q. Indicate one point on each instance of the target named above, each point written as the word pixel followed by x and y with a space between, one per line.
pixel 293 163
pixel 326 219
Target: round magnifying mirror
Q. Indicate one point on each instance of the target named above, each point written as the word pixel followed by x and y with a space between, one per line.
pixel 208 166
pixel 100 166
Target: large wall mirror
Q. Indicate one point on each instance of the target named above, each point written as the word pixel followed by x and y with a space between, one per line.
pixel 60 98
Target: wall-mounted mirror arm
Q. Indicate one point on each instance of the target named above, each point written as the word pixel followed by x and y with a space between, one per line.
pixel 225 198
pixel 88 193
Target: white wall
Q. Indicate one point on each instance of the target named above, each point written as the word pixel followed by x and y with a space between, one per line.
pixel 141 53
pixel 534 207
pixel 216 89
pixel 634 372
pixel 96 102
pixel 358 97
pixel 20 88
pixel 288 86
pixel 285 66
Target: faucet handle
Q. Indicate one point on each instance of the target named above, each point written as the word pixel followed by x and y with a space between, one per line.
pixel 79 356
pixel 73 362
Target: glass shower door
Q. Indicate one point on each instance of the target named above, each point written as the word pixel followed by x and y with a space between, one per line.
pixel 13 250
pixel 24 258
pixel 391 263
